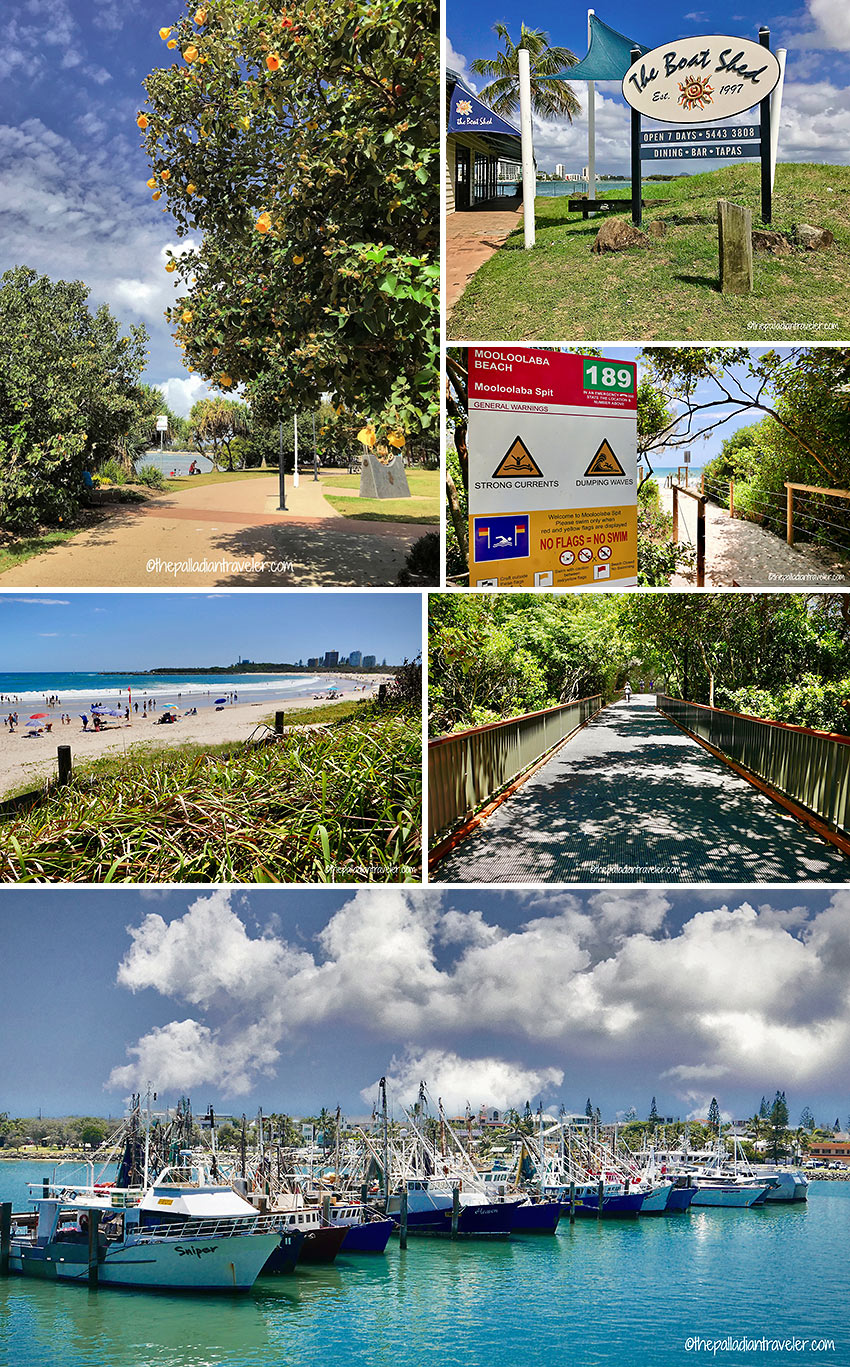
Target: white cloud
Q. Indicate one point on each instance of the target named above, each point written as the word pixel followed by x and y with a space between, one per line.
pixel 832 26
pixel 180 393
pixel 457 63
pixel 736 992
pixel 815 122
pixel 41 602
pixel 456 1080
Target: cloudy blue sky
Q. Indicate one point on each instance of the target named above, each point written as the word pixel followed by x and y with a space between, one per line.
pixel 288 999
pixel 73 198
pixel 139 631
pixel 815 124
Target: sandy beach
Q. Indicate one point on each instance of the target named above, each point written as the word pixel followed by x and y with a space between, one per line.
pixel 26 762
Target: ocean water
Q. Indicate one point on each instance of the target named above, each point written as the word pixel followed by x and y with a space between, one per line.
pixel 81 690
pixel 568 187
pixel 176 462
pixel 626 1293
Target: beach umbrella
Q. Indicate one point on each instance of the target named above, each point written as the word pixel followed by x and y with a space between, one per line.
pixel 219 700
pixel 36 715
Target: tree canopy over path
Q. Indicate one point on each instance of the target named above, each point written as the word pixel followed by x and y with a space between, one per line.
pixel 782 656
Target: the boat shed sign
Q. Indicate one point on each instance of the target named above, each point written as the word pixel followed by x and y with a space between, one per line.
pixel 699 80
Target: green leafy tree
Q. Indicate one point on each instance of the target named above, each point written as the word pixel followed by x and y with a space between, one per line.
pixel 302 143
pixel 215 424
pixel 68 394
pixel 778 1134
pixel 653 1113
pixel 714 1116
pixel 549 99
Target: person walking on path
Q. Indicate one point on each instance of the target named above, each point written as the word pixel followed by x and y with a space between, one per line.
pixel 627 691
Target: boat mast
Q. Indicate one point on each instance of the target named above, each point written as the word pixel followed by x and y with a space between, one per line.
pixel 385 1141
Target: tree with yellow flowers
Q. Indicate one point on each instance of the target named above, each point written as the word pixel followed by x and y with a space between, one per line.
pixel 300 141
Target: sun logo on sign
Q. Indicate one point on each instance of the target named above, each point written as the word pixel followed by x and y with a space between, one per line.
pixel 464 107
pixel 695 91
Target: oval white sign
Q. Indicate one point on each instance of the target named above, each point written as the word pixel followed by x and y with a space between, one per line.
pixel 698 80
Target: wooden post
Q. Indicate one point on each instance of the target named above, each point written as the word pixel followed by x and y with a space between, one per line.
pixel 764 144
pixel 278 723
pixel 402 1219
pixel 364 1193
pixel 701 543
pixel 572 1203
pixel 628 1184
pixel 732 497
pixel 600 1187
pixel 789 515
pixel 702 482
pixel 637 194
pixel 675 514
pixel 94 1228
pixel 5 1237
pixel 735 239
pixel 326 1208
pixel 455 1210
pixel 63 754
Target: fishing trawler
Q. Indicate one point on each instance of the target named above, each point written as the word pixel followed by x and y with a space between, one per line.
pixel 183 1233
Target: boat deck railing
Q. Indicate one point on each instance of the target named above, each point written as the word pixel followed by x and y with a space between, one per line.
pixel 210 1229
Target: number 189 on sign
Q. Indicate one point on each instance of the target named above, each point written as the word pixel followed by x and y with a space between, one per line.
pixel 600 376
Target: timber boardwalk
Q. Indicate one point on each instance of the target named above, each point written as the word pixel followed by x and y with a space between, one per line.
pixel 632 799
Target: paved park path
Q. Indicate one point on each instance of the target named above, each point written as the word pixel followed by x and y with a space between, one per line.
pixel 229 525
pixel 743 553
pixel 631 799
pixel 472 237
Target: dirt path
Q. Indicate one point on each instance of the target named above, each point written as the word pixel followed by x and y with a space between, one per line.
pixel 744 554
pixel 225 535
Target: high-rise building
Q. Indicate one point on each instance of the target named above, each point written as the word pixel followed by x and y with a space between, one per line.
pixel 313 662
pixel 559 170
pixel 355 658
pixel 368 661
pixel 331 658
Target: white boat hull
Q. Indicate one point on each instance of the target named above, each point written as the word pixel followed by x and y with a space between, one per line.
pixel 727 1197
pixel 231 1263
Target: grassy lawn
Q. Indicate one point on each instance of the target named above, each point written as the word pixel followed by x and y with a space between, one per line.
pixel 16 550
pixel 670 290
pixel 422 510
pixel 422 483
pixel 216 477
pixel 324 712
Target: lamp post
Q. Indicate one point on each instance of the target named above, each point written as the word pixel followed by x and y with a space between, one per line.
pixel 281 507
pixel 315 453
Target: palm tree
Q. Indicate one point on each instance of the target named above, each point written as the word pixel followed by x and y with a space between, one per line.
pixel 549 99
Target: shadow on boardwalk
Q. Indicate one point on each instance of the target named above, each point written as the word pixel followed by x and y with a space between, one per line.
pixel 631 799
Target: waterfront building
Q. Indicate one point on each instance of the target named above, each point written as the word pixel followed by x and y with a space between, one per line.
pixel 478 144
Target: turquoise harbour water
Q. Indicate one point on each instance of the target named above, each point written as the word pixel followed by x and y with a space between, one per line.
pixel 626 1293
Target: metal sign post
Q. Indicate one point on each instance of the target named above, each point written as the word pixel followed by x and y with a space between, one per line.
pixel 281 507
pixel 528 177
pixel 764 151
pixel 637 188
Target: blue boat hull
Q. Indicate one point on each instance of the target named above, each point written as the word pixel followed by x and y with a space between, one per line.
pixel 621 1207
pixel 287 1253
pixel 680 1198
pixel 371 1237
pixel 541 1218
pixel 490 1220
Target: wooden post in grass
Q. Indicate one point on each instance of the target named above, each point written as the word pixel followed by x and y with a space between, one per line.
pixel 732 497
pixel 700 543
pixel 735 240
pixel 675 514
pixel 63 755
pixel 278 723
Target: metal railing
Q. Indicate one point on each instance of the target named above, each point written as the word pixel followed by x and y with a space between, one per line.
pixel 812 768
pixel 467 768
pixel 222 1228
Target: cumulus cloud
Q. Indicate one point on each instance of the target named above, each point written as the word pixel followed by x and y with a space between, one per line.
pixel 735 992
pixel 456 62
pixel 832 26
pixel 456 1080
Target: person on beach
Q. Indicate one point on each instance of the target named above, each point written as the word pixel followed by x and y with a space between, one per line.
pixel 84 719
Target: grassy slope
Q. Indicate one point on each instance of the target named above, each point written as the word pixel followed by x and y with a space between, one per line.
pixel 342 805
pixel 561 291
pixel 15 550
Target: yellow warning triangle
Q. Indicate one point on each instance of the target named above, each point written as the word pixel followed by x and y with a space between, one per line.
pixel 517 461
pixel 604 462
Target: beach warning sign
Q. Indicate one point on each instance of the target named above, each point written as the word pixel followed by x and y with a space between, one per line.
pixel 552 442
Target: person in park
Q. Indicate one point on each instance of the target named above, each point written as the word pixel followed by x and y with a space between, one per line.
pixel 627 691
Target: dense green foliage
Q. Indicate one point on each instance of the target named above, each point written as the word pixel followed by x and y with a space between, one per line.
pixel 499 655
pixel 69 395
pixel 302 143
pixel 337 805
